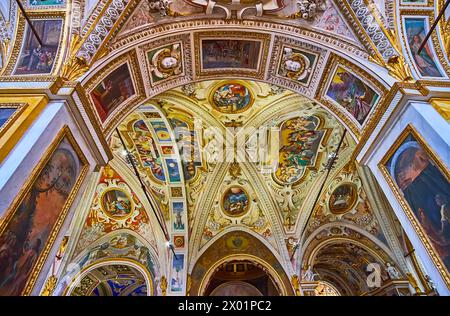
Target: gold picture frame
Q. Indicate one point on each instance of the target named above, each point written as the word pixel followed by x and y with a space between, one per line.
pixel 353 198
pixel 29 107
pixel 258 73
pixel 224 196
pixel 410 130
pixel 123 108
pixel 375 113
pixel 64 133
pixel 19 108
pixel 220 84
pixel 22 29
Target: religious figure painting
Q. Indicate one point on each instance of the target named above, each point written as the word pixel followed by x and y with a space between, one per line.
pixel 177 219
pixel 188 146
pixel 300 138
pixel 112 91
pixel 147 150
pixel 425 186
pixel 28 230
pixel 177 280
pixel 117 204
pixel 235 201
pixel 352 93
pixel 37 59
pixel 343 198
pixel 121 245
pixel 232 98
pixel 230 53
pixel 416 29
pixel 161 131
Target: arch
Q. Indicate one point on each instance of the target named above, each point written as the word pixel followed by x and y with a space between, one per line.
pixel 306 251
pixel 107 262
pixel 244 246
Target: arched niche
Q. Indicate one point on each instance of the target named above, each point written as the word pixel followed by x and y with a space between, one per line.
pixel 112 277
pixel 237 246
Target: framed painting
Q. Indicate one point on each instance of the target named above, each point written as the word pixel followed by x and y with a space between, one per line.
pixel 421 183
pixel 352 93
pixel 114 89
pixel 34 59
pixel 425 63
pixel 356 97
pixel 177 279
pixel 8 113
pixel 220 53
pixel 45 3
pixel 34 219
pixel 177 216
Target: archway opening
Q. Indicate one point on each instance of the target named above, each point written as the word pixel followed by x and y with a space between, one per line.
pixel 112 280
pixel 241 278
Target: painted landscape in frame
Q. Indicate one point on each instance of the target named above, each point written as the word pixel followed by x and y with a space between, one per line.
pixel 421 182
pixel 33 221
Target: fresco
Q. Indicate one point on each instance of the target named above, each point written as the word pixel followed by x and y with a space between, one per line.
pixel 177 280
pixel 115 89
pixel 173 170
pixel 300 138
pixel 332 22
pixel 120 287
pixel 235 201
pixel 426 190
pixel 148 153
pixel 188 146
pixel 350 92
pixel 35 3
pixel 5 114
pixel 416 30
pixel 230 53
pixel 100 221
pixel 121 245
pixel 343 198
pixel 24 238
pixel 232 98
pixel 177 218
pixel 161 131
pixel 116 203
pixel 33 58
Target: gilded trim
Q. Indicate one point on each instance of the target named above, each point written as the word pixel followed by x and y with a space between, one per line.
pixel 407 209
pixel 63 133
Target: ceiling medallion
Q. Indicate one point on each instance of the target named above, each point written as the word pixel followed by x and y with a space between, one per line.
pixel 343 198
pixel 294 65
pixel 117 204
pixel 231 97
pixel 235 201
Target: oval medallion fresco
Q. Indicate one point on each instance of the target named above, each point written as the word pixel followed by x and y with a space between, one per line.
pixel 235 201
pixel 117 204
pixel 232 98
pixel 343 198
